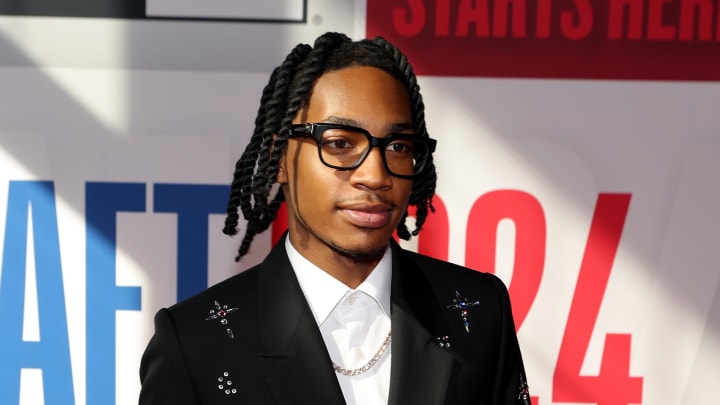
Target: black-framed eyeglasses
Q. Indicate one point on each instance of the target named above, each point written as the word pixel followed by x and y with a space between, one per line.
pixel 345 147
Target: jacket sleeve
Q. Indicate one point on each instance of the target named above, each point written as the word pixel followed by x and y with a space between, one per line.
pixel 511 383
pixel 164 375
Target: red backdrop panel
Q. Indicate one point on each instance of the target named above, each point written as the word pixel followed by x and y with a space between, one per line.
pixel 612 39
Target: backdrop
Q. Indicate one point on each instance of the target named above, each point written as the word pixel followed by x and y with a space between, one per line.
pixel 578 155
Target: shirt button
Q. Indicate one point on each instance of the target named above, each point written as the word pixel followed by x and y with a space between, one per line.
pixel 352 300
pixel 358 353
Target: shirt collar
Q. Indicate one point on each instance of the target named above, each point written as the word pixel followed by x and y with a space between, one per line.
pixel 323 291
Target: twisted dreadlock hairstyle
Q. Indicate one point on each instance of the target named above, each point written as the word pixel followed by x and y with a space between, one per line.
pixel 287 91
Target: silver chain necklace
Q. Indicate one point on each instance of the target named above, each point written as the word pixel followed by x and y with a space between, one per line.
pixel 369 364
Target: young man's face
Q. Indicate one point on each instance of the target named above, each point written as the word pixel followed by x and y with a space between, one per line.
pixel 350 212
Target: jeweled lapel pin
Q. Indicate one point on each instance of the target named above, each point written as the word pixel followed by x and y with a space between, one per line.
pixel 221 312
pixel 442 342
pixel 524 394
pixel 462 304
pixel 225 384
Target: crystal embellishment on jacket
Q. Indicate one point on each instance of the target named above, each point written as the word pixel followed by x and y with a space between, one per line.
pixel 221 312
pixel 463 305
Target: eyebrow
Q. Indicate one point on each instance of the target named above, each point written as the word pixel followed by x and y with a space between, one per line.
pixel 396 127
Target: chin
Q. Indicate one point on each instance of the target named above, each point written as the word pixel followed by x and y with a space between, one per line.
pixel 364 254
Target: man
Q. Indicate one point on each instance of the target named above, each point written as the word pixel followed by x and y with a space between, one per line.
pixel 338 312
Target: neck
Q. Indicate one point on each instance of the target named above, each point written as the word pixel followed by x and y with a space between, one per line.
pixel 350 268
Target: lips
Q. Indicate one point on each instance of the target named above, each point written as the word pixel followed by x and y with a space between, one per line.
pixel 368 215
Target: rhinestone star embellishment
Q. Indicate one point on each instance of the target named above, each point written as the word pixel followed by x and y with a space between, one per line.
pixel 462 304
pixel 221 312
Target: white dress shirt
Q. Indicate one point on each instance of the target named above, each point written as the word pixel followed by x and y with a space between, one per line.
pixel 354 323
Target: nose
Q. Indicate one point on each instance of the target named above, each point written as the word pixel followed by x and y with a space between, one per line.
pixel 372 173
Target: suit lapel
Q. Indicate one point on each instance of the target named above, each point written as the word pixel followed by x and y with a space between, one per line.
pixel 290 338
pixel 420 368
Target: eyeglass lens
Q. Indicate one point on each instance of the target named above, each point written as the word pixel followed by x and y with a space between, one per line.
pixel 346 148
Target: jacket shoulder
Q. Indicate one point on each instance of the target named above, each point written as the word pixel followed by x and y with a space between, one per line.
pixel 440 272
pixel 239 286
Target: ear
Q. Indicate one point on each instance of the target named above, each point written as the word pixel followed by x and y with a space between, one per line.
pixel 282 176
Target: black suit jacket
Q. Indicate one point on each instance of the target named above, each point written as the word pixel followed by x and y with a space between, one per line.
pixel 267 348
